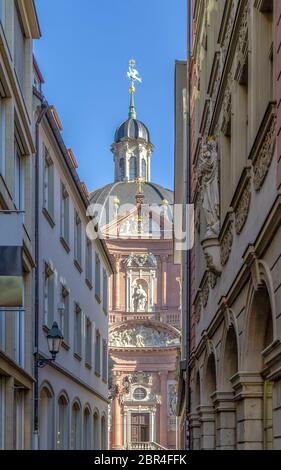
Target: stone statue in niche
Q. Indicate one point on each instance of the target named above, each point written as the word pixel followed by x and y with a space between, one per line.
pixel 172 400
pixel 139 298
pixel 209 184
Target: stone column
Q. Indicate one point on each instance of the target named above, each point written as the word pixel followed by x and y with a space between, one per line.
pixel 195 431
pixel 225 408
pixel 163 408
pixel 9 413
pixel 117 284
pixel 207 418
pixel 164 281
pixel 248 389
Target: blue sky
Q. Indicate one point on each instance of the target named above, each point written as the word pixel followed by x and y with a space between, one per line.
pixel 83 55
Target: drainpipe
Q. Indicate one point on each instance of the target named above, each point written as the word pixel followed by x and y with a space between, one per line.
pixel 188 196
pixel 43 111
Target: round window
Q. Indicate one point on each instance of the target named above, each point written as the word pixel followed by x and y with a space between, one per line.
pixel 140 393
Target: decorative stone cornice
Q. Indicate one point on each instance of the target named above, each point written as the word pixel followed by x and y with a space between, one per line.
pixel 241 200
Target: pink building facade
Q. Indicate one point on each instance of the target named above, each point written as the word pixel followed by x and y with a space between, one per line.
pixel 144 309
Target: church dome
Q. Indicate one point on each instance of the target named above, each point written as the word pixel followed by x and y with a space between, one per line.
pixel 132 129
pixel 125 193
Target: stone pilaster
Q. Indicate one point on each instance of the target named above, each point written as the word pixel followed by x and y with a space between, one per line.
pixel 225 408
pixel 208 427
pixel 248 388
pixel 195 431
pixel 276 397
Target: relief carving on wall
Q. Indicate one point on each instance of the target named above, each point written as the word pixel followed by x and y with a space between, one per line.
pixel 241 213
pixel 141 261
pixel 242 44
pixel 263 161
pixel 205 290
pixel 226 243
pixel 141 337
pixel 209 186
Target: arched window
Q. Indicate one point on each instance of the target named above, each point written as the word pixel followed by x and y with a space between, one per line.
pixel 133 168
pixel 62 433
pixel 103 434
pixel 122 169
pixel 143 169
pixel 87 430
pixel 96 431
pixel 46 419
pixel 76 426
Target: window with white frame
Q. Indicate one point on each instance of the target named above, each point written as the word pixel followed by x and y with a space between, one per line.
pixel 2 411
pixel 104 360
pixel 19 412
pixel 89 261
pixel 77 330
pixel 2 329
pixel 97 277
pixel 2 11
pixel 97 353
pixel 105 291
pixel 77 238
pixel 64 214
pixel 48 196
pixel 49 286
pixel 64 313
pixel 76 426
pixel 63 427
pixel 88 342
pixel 19 337
pixel 19 178
pixel 2 137
pixel 19 47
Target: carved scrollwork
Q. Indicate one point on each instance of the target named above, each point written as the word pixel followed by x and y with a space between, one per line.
pixel 226 243
pixel 242 210
pixel 264 158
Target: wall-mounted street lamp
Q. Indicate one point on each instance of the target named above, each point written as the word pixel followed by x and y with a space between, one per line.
pixel 54 339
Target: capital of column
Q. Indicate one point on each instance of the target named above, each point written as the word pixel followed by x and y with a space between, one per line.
pixel 194 420
pixel 223 401
pixel 247 385
pixel 206 413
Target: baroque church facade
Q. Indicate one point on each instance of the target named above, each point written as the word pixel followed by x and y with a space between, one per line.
pixel 144 307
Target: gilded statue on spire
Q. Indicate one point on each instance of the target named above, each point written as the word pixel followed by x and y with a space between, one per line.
pixel 133 76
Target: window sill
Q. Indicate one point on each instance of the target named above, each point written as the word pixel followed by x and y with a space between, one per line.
pixel 88 365
pixel 98 298
pixel 65 345
pixel 48 217
pixel 78 266
pixel 77 356
pixel 89 284
pixel 65 244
